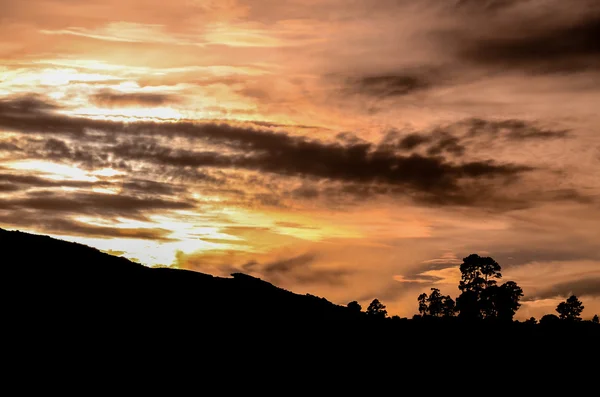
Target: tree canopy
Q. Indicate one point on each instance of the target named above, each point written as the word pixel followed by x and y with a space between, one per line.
pixel 481 296
pixel 376 309
pixel 570 309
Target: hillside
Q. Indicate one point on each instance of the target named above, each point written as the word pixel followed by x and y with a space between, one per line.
pixel 73 280
pixel 69 295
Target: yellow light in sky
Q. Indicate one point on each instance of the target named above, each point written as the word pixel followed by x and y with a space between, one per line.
pixel 107 172
pixel 54 77
pixel 52 170
pixel 129 114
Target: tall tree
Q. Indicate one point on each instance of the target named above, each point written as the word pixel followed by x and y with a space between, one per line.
pixel 423 306
pixel 436 304
pixel 478 273
pixel 376 309
pixel 501 302
pixel 570 309
pixel 595 319
pixel 481 296
pixel 448 307
pixel 468 305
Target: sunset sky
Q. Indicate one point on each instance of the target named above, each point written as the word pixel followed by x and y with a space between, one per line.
pixel 351 149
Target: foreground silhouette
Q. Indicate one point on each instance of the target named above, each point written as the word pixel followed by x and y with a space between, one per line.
pixel 69 299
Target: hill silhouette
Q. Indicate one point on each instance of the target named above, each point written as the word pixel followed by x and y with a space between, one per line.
pixel 69 299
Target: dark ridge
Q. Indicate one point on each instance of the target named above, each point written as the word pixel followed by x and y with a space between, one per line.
pixel 75 302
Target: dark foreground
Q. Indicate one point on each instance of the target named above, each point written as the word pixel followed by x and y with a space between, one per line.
pixel 93 310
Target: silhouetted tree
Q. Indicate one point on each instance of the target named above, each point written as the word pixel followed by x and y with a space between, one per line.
pixel 435 301
pixel 595 319
pixel 531 320
pixel 376 309
pixel 478 273
pixel 354 307
pixel 468 305
pixel 549 319
pixel 448 307
pixel 501 302
pixel 436 304
pixel 481 297
pixel 423 307
pixel 570 309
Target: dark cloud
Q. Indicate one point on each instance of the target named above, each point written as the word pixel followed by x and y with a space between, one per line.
pixel 67 227
pixel 8 187
pixel 108 98
pixel 26 104
pixel 298 269
pixel 9 147
pixel 412 141
pixel 583 287
pixel 27 181
pixel 539 48
pixel 510 259
pixel 360 163
pixel 486 5
pixel 516 130
pixel 389 85
pixel 305 192
pixel 92 204
pixel 287 265
pixel 446 143
pixel 429 176
pixel 152 187
pixel 437 142
pixel 56 148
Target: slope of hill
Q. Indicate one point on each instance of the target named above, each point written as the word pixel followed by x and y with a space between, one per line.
pixel 58 282
pixel 65 295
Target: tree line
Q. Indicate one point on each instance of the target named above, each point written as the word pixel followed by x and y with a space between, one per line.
pixel 481 298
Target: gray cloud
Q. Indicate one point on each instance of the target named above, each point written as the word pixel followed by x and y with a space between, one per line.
pixel 62 226
pixel 108 98
pixel 9 147
pixel 300 270
pixel 92 204
pixel 581 287
pixel 515 130
pixel 566 46
pixel 390 85
pixel 363 167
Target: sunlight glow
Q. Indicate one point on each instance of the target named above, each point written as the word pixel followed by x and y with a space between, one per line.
pixel 52 170
pixel 128 114
pixel 107 172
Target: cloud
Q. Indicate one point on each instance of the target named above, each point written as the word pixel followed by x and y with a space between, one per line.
pixel 565 46
pixel 29 104
pixel 9 147
pixel 514 130
pixel 428 177
pixel 293 225
pixel 114 99
pixel 67 227
pixel 581 287
pixel 24 181
pixel 298 269
pixel 288 265
pixel 486 5
pixel 389 85
pixel 92 204
pixel 152 187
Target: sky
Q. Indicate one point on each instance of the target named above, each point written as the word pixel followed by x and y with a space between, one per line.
pixel 351 149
